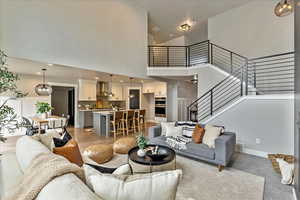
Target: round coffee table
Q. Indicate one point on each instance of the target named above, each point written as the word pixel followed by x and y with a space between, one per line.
pixel 147 165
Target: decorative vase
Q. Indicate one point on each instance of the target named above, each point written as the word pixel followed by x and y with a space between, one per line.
pixel 141 153
pixel 44 115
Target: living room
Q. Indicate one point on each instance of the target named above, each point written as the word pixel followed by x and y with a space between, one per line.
pixel 124 96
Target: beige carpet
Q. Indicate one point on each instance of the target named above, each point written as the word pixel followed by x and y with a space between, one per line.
pixel 202 181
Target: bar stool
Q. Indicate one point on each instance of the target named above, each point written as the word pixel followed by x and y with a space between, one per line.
pixel 142 116
pixel 116 123
pixel 129 121
pixel 136 120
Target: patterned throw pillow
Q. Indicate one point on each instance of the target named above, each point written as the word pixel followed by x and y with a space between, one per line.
pixel 60 142
pixel 187 127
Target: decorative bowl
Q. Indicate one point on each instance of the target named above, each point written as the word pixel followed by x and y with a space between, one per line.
pixel 161 154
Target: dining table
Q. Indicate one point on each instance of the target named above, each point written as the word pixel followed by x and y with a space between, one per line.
pixel 45 121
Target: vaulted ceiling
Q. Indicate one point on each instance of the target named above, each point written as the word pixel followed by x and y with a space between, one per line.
pixel 166 15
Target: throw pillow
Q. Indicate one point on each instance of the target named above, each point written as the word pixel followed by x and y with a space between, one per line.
pixel 47 138
pixel 159 185
pixel 164 126
pixel 187 127
pixel 211 134
pixel 70 151
pixel 173 131
pixel 198 134
pixel 60 142
pixel 90 170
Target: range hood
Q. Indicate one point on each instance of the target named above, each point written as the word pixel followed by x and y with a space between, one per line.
pixel 102 89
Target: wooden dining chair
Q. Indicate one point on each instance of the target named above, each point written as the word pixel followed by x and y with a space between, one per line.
pixel 142 121
pixel 116 123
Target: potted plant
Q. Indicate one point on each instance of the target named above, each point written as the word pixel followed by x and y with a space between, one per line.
pixel 8 89
pixel 43 108
pixel 142 143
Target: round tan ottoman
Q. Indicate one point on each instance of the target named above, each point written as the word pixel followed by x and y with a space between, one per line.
pixel 123 145
pixel 100 153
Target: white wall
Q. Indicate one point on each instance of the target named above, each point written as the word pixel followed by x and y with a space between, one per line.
pixel 208 77
pixel 199 34
pixel 108 36
pixel 253 30
pixel 268 118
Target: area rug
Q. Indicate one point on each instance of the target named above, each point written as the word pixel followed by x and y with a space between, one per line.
pixel 202 181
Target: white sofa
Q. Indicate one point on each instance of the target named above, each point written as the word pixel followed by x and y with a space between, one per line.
pixel 66 187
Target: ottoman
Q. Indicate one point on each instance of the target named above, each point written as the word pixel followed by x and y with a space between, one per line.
pixel 100 153
pixel 123 145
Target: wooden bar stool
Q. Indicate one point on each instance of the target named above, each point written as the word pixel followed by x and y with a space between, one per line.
pixel 116 123
pixel 142 121
pixel 129 121
pixel 136 120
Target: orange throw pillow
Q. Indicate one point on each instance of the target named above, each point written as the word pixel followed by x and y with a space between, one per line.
pixel 198 134
pixel 71 152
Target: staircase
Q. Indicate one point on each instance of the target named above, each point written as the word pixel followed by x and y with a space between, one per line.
pixel 259 76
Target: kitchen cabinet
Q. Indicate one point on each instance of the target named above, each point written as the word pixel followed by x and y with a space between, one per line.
pixel 158 88
pixel 87 90
pixel 117 90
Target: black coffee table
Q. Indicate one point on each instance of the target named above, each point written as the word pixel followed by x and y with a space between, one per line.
pixel 146 161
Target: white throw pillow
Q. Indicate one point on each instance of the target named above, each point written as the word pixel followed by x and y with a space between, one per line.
pixel 211 134
pixel 47 138
pixel 152 186
pixel 174 131
pixel 164 126
pixel 90 171
pixel 26 149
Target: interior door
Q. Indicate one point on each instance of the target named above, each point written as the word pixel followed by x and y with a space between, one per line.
pixel 134 101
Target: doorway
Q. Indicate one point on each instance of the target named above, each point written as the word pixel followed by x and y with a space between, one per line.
pixel 134 95
pixel 63 102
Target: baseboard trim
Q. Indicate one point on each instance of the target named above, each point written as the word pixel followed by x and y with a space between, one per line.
pixel 254 152
pixel 294 194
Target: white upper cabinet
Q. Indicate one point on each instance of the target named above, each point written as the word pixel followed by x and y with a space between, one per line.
pixel 117 90
pixel 158 88
pixel 87 90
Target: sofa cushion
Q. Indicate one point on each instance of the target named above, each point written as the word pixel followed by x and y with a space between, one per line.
pixel 198 134
pixel 187 127
pixel 10 173
pixel 26 149
pixel 67 187
pixel 164 126
pixel 200 150
pixel 173 131
pixel 160 185
pixel 211 134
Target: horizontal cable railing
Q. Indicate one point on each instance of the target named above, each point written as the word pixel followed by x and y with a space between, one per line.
pixel 226 91
pixel 272 74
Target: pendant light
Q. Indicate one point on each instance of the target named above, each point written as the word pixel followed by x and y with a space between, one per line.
pixel 131 95
pixel 195 79
pixel 43 89
pixel 110 94
pixel 284 8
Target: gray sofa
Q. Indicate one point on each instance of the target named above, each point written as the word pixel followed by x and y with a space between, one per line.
pixel 220 155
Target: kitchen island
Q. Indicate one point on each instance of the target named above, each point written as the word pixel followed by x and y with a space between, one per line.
pixel 101 122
